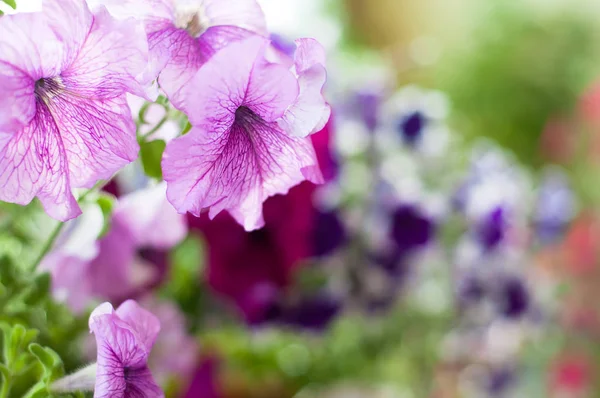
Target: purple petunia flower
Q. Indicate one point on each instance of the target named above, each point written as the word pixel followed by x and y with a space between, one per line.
pixel 124 339
pixel 64 119
pixel 248 118
pixel 184 34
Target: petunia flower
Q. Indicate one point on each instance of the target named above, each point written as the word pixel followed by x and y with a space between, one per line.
pixel 247 115
pixel 64 119
pixel 184 34
pixel 124 339
pixel 85 267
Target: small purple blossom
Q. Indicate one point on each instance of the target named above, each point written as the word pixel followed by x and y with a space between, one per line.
pixel 184 34
pixel 64 119
pixel 124 339
pixel 329 232
pixel 514 297
pixel 411 228
pixel 249 118
pixel 492 229
pixel 411 126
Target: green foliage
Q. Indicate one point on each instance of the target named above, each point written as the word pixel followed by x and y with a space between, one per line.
pixel 184 282
pixel 106 203
pixel 151 155
pixel 520 69
pixel 11 3
pixel 399 349
pixel 31 322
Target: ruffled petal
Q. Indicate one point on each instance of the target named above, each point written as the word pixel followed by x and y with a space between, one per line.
pixel 33 162
pixel 310 112
pixel 113 60
pixel 98 136
pixel 143 322
pixel 236 171
pixel 309 52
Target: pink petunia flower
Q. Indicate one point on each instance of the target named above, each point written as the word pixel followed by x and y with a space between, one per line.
pixel 248 117
pixel 84 268
pixel 124 339
pixel 64 119
pixel 183 34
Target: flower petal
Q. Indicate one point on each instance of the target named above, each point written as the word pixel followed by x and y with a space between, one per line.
pixel 143 322
pixel 33 162
pixel 237 170
pixel 272 89
pixel 151 218
pixel 309 52
pixel 179 57
pixel 152 10
pixel 17 99
pixel 310 112
pixel 220 86
pixel 118 348
pixel 20 48
pixel 111 271
pixel 98 136
pixel 112 61
pixel 245 14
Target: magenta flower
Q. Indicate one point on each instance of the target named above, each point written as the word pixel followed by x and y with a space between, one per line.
pixel 244 147
pixel 124 339
pixel 183 34
pixel 64 120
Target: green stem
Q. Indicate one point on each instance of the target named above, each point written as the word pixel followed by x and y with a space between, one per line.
pixel 157 127
pixel 54 235
pixel 47 246
pixel 5 388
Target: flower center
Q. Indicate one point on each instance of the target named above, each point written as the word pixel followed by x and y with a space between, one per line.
pixel 193 19
pixel 411 126
pixel 245 116
pixel 48 87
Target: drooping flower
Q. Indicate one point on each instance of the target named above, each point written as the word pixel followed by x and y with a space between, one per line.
pixel 64 120
pixel 248 118
pixel 124 340
pixel 184 34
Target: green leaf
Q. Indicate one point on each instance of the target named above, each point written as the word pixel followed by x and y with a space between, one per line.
pixel 50 361
pixel 106 203
pixel 186 128
pixel 187 258
pixel 11 3
pixel 151 156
